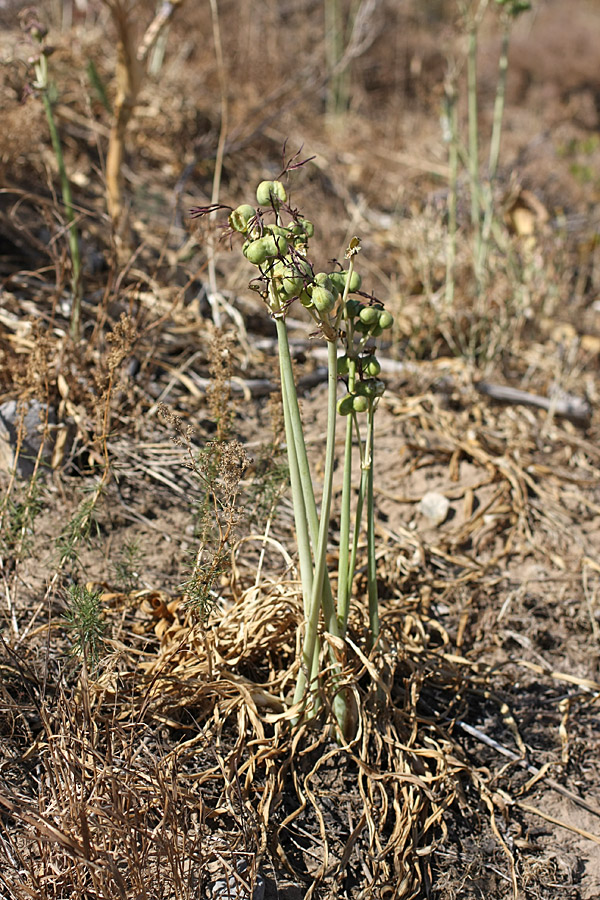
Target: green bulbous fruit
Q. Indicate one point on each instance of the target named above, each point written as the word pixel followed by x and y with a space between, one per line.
pixel 270 193
pixel 362 389
pixel 304 229
pixel 386 319
pixel 306 300
pixel 322 299
pixel 369 315
pixel 342 365
pixel 345 405
pixel 291 286
pixel 340 278
pixel 337 278
pixel 277 230
pixel 370 388
pixel 257 252
pixel 370 366
pixel 304 267
pixel 278 246
pixel 266 247
pixel 375 330
pixel 361 327
pixel 322 279
pixel 240 217
pixel 355 282
pixel 360 404
pixel 353 308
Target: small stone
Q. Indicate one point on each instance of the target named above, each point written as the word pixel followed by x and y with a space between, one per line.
pixel 231 889
pixel 434 506
pixel 10 424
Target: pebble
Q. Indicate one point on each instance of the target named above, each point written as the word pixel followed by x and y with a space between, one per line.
pixel 231 888
pixel 10 415
pixel 434 506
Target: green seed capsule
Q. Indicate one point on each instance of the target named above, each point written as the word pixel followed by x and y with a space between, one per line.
pixel 240 217
pixel 277 230
pixel 360 404
pixel 306 300
pixel 265 248
pixel 355 282
pixel 353 308
pixel 270 193
pixel 304 267
pixel 342 365
pixel 309 228
pixel 337 279
pixel 364 388
pixel 375 330
pixel 386 319
pixel 370 366
pixel 369 315
pixel 257 252
pixel 345 405
pixel 291 287
pixel 370 388
pixel 323 299
pixel 322 279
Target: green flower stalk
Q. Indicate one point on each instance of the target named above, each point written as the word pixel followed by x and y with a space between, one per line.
pixel 279 251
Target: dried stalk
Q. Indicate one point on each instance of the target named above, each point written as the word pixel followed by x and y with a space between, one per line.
pixel 129 78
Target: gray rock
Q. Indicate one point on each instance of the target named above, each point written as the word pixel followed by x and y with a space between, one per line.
pixel 434 506
pixel 231 888
pixel 10 424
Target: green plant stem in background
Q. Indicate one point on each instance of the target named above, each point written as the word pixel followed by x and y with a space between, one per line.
pixel 76 286
pixel 452 138
pixel 43 85
pixel 474 147
pixel 495 143
pixel 334 48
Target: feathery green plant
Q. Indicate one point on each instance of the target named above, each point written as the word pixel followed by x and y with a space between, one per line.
pixel 276 241
pixel 18 518
pixel 84 620
pixel 127 565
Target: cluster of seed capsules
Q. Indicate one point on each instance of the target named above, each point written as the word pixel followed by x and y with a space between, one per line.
pixel 279 252
pixel 361 365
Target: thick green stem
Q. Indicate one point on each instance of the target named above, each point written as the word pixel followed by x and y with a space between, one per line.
pixel 354 551
pixel 302 535
pixel 318 594
pixel 371 560
pixel 75 325
pixel 344 580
